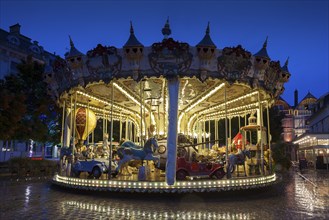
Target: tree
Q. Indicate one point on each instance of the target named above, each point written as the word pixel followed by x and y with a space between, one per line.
pixel 12 109
pixel 276 129
pixel 278 148
pixel 26 110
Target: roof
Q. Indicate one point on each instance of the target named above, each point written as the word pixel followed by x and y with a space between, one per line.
pixel 310 136
pixel 280 99
pixel 307 100
pixel 132 41
pixel 263 52
pixel 324 96
pixel 206 41
pixel 24 45
pixel 309 96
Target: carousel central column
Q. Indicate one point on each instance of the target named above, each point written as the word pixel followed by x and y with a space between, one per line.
pixel 173 89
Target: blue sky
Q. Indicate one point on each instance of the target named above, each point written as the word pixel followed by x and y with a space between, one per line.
pixel 298 29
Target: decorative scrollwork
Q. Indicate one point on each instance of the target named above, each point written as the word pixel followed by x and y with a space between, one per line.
pixel 63 77
pixel 272 75
pixel 234 63
pixel 104 61
pixel 170 57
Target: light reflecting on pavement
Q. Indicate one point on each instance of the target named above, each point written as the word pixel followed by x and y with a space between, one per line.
pixel 27 195
pixel 293 199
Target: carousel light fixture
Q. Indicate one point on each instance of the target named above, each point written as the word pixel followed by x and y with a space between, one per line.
pixel 105 102
pixel 129 96
pixel 246 109
pixel 229 102
pixel 189 123
pixel 204 97
pixel 182 185
pixel 179 121
pixel 236 109
pixel 134 100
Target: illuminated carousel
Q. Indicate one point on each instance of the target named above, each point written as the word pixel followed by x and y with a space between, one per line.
pixel 190 113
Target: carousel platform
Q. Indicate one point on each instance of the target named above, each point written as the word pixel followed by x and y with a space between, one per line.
pixel 156 184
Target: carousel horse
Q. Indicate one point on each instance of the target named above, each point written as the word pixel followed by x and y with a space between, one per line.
pixel 237 159
pixel 129 151
pixel 131 144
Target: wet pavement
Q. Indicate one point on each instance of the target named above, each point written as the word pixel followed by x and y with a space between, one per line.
pixel 293 198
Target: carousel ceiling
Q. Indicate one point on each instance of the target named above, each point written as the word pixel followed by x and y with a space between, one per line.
pixel 195 97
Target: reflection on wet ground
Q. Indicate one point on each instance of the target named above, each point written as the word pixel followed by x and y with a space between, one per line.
pixel 294 198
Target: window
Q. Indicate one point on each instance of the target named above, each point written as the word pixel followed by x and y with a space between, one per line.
pixel 13 40
pixel 35 49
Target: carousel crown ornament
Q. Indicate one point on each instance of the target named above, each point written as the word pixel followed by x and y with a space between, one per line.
pixel 170 57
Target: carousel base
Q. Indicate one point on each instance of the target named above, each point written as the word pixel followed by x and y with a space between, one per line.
pixel 189 186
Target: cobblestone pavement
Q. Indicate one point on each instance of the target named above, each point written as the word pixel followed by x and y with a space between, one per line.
pixel 294 198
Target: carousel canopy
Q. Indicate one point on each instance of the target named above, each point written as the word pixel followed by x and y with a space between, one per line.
pixel 213 82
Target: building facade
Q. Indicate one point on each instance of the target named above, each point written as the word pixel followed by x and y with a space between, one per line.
pixel 314 145
pixel 295 122
pixel 15 48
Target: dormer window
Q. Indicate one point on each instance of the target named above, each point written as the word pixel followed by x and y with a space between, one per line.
pixel 13 40
pixel 35 49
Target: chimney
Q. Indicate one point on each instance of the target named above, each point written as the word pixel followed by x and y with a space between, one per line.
pixel 296 98
pixel 15 29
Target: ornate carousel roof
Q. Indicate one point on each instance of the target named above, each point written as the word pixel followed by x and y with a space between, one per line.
pixel 204 72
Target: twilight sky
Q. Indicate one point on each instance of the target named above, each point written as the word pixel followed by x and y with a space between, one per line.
pixel 296 28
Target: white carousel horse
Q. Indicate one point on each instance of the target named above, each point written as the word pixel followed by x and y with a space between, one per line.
pixel 129 151
pixel 237 159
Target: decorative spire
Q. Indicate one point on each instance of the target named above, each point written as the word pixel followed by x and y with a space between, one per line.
pixel 132 40
pixel 206 41
pixel 286 63
pixel 131 28
pixel 285 66
pixel 208 28
pixel 73 51
pixel 166 31
pixel 71 41
pixel 265 43
pixel 263 52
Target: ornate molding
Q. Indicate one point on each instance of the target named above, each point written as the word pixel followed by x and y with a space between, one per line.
pixel 170 57
pixel 234 64
pixel 104 61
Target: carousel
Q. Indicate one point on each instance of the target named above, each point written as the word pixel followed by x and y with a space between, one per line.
pixel 166 118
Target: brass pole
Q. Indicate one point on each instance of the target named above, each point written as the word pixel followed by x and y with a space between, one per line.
pixel 269 136
pixel 261 134
pixel 111 136
pixel 226 130
pixel 63 122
